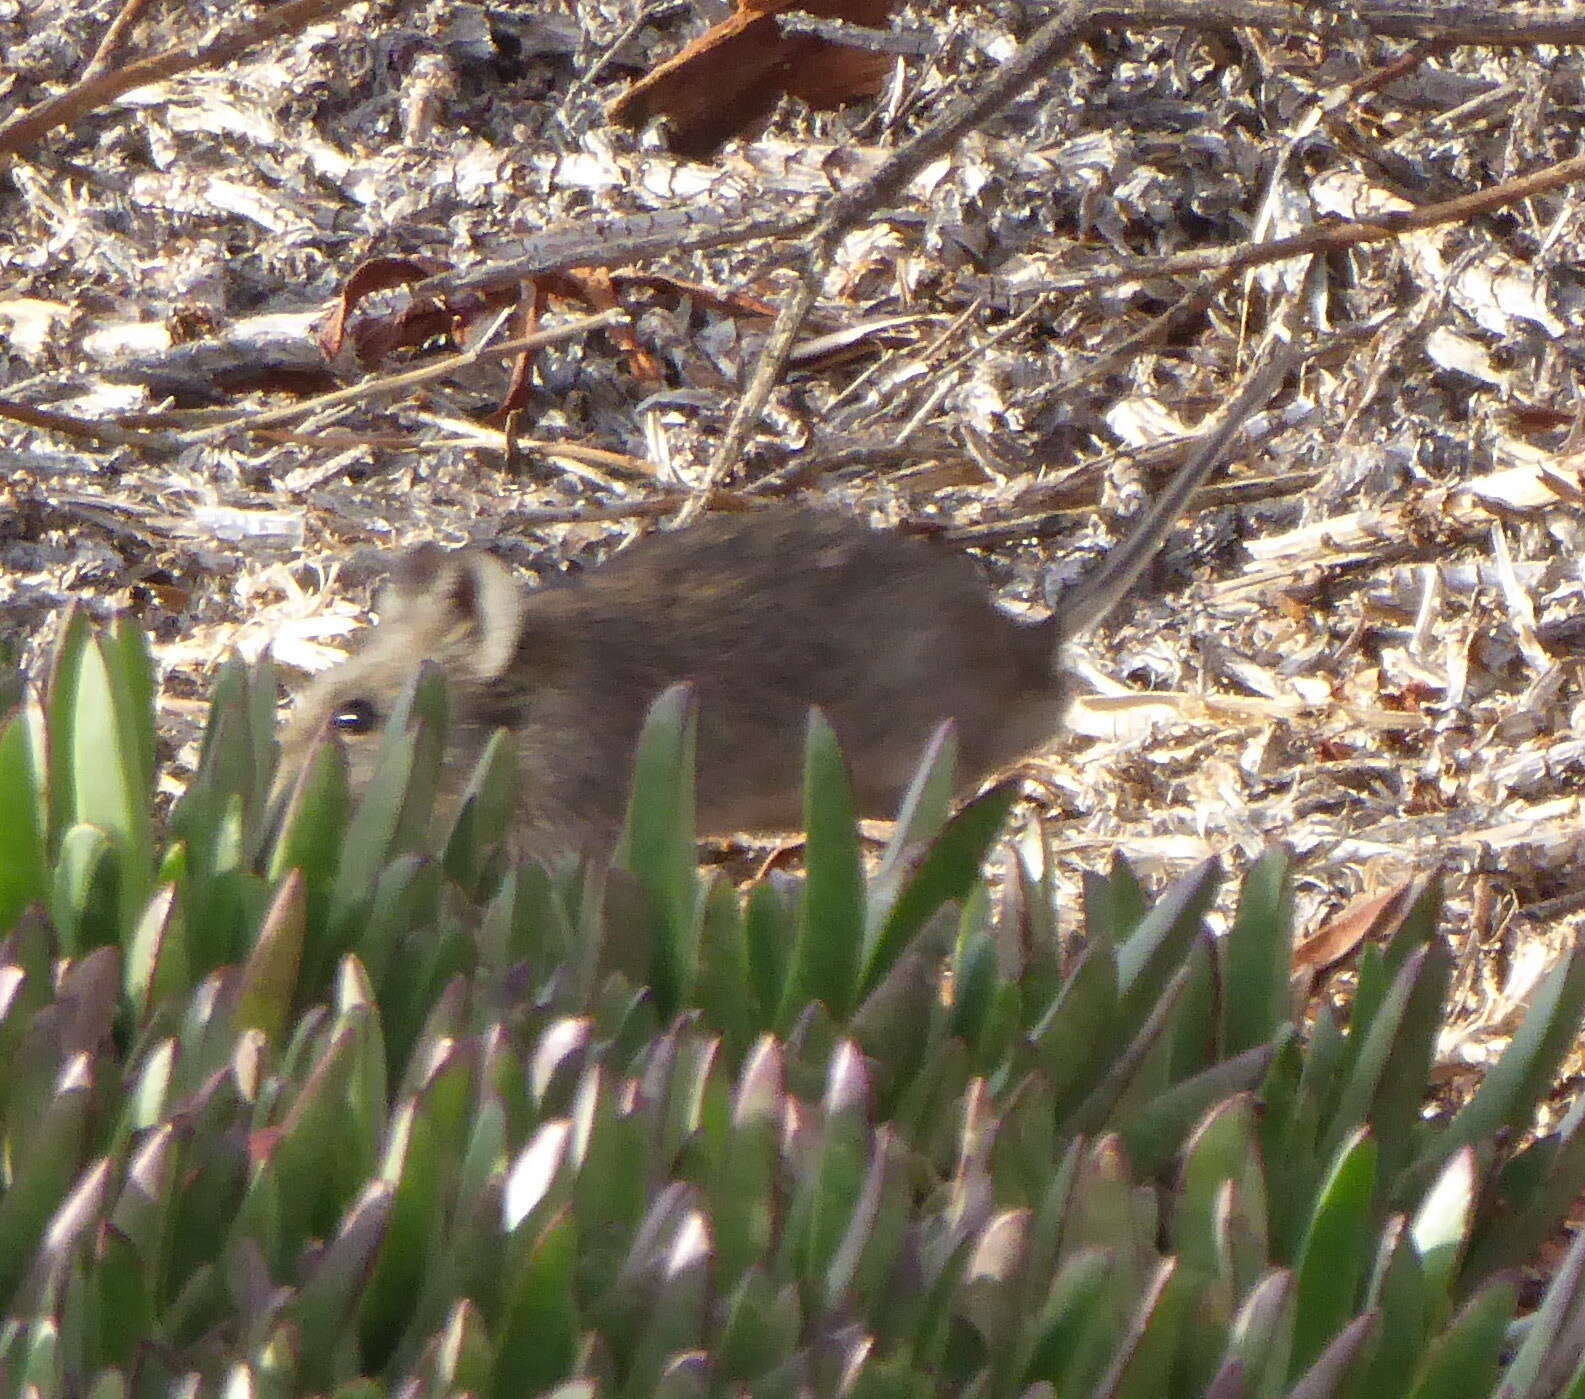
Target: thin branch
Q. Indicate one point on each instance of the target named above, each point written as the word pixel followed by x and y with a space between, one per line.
pixel 1481 25
pixel 74 428
pixel 616 240
pixel 1331 236
pixel 103 88
pixel 424 374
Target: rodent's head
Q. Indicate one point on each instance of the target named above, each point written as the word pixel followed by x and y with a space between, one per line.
pixel 463 611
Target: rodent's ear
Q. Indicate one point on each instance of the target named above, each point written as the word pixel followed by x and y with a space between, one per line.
pixel 485 592
pixel 467 592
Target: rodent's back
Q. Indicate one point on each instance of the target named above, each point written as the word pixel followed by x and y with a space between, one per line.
pixel 766 615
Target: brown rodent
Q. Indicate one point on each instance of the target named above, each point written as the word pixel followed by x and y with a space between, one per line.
pixel 766 614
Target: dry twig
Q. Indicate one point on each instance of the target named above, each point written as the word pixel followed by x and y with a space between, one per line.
pixel 424 374
pixel 100 89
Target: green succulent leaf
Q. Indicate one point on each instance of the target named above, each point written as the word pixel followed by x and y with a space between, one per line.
pixel 87 904
pixel 1559 1313
pixel 538 1326
pixel 1386 1079
pixel 314 821
pixel 830 938
pixel 227 771
pixel 1074 1327
pixel 392 817
pixel 658 843
pixel 925 809
pixel 946 872
pixel 724 991
pixel 1536 1190
pixel 269 977
pixel 42 1172
pixel 1114 903
pixel 1336 1248
pixel 761 1328
pixel 323 1110
pixel 1260 1341
pixel 769 931
pixel 1221 1166
pixel 1143 1364
pixel 489 802
pixel 332 1290
pixel 1257 955
pixel 1463 1362
pixel 24 867
pixel 1508 1095
pixel 159 961
pixel 1441 1226
pixel 1397 1292
pixel 1337 1366
pixel 100 718
pixel 1162 938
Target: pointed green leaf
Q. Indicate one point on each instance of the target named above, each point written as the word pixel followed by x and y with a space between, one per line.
pixel 158 961
pixel 830 936
pixel 538 1330
pixel 314 823
pixel 489 802
pixel 1257 954
pixel 42 1170
pixel 1463 1362
pixel 1336 1248
pixel 24 874
pixel 269 976
pixel 947 870
pixel 87 901
pixel 1508 1095
pixel 659 842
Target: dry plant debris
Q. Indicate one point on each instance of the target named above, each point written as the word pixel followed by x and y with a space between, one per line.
pixel 1367 640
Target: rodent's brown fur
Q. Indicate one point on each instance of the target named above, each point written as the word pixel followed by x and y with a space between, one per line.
pixel 766 614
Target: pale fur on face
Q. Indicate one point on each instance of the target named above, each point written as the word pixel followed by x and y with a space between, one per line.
pixel 461 610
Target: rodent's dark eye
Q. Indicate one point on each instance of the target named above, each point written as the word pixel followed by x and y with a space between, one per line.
pixel 356 716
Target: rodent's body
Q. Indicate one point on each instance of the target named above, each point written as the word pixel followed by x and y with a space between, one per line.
pixel 765 614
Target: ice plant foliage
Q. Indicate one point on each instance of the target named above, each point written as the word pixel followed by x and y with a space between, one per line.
pixel 304 1096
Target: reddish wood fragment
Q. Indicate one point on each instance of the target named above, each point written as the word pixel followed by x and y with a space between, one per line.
pixel 376 275
pixel 733 75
